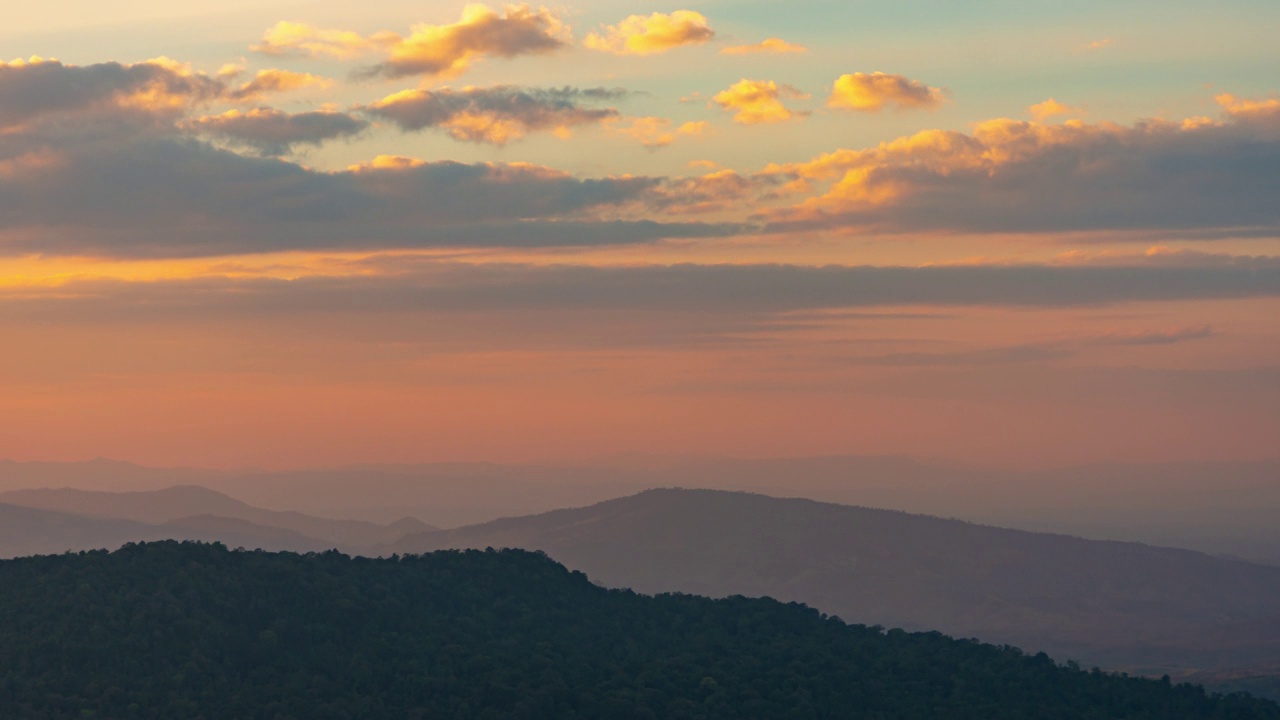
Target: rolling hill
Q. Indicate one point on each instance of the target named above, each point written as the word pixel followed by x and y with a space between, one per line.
pixel 185 630
pixel 1118 605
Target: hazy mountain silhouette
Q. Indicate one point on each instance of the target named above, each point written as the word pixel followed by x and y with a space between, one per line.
pixel 30 531
pixel 1112 603
pixel 193 506
pixel 1227 508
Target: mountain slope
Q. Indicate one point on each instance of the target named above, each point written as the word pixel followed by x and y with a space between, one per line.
pixel 1110 603
pixel 174 504
pixel 168 630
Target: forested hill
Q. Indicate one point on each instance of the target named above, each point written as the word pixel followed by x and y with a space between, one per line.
pixel 169 630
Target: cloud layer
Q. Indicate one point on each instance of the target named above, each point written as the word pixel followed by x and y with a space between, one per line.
pixel 1015 176
pixel 496 115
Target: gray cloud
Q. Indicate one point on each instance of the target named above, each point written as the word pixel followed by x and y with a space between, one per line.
pixel 1155 337
pixel 31 90
pixel 136 195
pixel 495 114
pixel 1011 176
pixel 273 132
pixel 432 286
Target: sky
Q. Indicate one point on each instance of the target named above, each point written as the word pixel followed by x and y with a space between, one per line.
pixel 298 234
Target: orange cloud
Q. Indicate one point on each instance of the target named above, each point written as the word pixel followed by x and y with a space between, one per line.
pixel 648 35
pixel 1052 108
pixel 772 46
pixel 268 82
pixel 1246 108
pixel 1100 44
pixel 757 101
pixel 656 132
pixel 872 92
pixel 433 50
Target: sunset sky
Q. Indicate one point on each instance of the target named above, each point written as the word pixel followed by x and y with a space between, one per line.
pixel 287 234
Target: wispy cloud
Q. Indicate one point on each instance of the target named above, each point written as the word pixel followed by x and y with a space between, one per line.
pixel 769 46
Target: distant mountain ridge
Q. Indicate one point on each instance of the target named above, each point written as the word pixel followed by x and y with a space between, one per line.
pixel 1111 603
pixel 1220 507
pixel 199 506
pixel 28 531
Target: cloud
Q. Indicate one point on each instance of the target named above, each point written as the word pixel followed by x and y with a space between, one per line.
pixel 269 82
pixel 430 50
pixel 872 92
pixel 286 39
pixel 273 132
pixel 1155 337
pixel 448 50
pixel 757 101
pixel 651 34
pixel 1052 108
pixel 656 132
pixel 495 115
pixel 142 195
pixel 1015 176
pixel 1033 352
pixel 717 191
pixel 406 284
pixel 771 46
pixel 1100 44
pixel 1249 109
pixel 30 90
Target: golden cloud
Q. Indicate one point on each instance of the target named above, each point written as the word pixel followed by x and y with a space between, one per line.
pixel 268 82
pixel 1052 108
pixel 433 50
pixel 872 92
pixel 771 46
pixel 757 101
pixel 651 34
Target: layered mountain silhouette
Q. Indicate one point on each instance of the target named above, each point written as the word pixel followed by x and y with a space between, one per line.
pixel 191 513
pixel 1115 604
pixel 1225 508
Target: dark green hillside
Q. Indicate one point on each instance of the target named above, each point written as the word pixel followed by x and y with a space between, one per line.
pixel 170 630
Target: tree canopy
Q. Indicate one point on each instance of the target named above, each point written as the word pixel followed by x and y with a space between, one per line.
pixel 187 630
